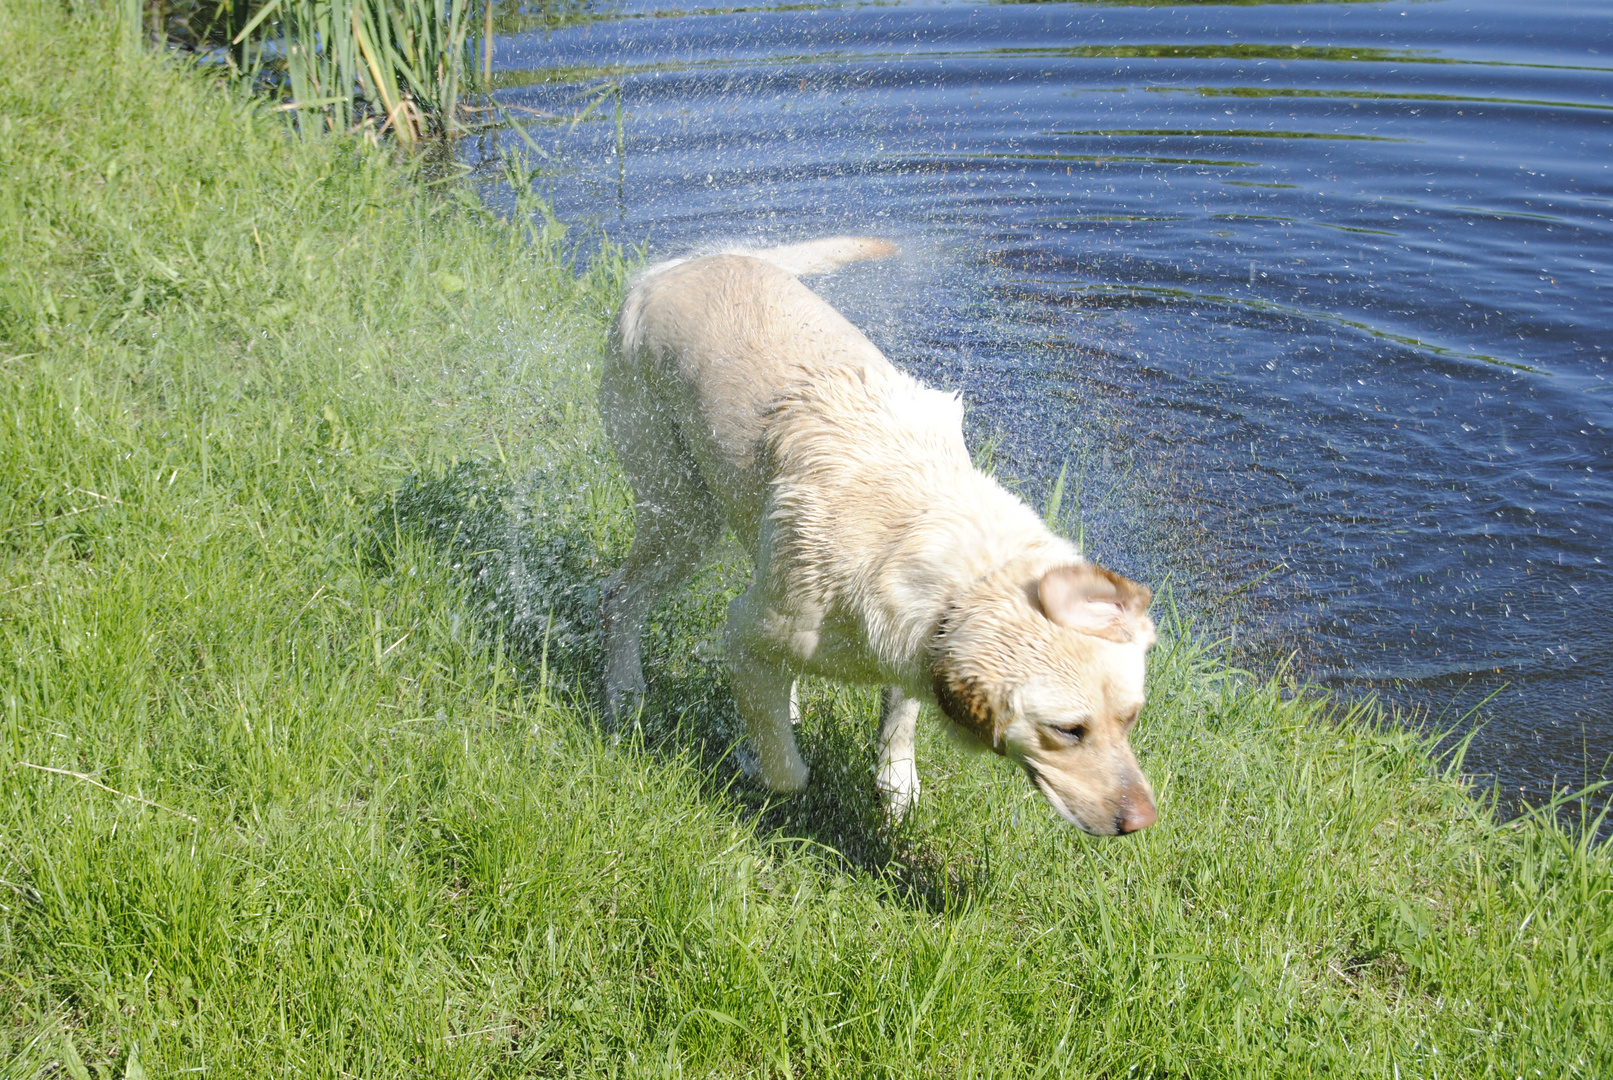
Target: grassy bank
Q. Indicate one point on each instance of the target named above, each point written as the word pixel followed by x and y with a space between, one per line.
pixel 301 502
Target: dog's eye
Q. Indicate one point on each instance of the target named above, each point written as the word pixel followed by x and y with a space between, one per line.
pixel 1076 732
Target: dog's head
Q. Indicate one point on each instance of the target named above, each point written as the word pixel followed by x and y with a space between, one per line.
pixel 1049 673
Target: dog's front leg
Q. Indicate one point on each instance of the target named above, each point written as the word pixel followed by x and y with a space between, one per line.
pixel 898 776
pixel 765 694
pixel 764 690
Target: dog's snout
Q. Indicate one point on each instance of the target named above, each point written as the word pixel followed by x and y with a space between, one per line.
pixel 1137 811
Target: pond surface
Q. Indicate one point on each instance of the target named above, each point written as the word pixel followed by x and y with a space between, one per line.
pixel 1311 301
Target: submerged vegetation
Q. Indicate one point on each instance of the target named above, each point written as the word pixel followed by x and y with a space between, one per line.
pixel 302 495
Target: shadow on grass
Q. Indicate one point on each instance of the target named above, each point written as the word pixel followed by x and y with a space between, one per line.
pixel 531 553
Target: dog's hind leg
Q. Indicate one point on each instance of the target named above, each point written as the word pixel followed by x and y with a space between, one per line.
pixel 898 776
pixel 677 521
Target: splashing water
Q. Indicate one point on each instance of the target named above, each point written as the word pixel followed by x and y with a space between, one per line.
pixel 1307 302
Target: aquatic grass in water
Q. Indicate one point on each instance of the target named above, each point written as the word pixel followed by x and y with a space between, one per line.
pixel 408 67
pixel 411 61
pixel 313 811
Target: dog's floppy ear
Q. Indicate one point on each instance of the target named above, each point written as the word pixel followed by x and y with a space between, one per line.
pixel 1092 600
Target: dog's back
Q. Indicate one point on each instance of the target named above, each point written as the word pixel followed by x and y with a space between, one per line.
pixel 715 340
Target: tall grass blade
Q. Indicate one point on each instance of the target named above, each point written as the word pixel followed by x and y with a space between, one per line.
pixel 1055 501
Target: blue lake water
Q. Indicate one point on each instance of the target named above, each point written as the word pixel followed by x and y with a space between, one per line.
pixel 1310 301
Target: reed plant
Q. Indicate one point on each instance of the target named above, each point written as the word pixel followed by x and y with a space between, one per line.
pixel 415 69
pixel 408 64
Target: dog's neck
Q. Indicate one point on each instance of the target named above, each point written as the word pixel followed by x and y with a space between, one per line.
pixel 1000 545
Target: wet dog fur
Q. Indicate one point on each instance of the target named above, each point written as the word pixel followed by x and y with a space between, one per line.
pixel 737 398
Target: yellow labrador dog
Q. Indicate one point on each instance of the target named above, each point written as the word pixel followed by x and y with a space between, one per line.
pixel 735 396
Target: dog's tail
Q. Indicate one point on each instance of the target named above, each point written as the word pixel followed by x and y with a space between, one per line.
pixel 821 256
pixel 810 257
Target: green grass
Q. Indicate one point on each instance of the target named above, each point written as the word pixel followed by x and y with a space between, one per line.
pixel 302 500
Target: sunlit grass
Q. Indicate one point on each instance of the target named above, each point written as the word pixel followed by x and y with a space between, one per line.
pixel 301 495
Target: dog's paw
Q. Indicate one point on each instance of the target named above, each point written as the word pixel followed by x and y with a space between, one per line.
pixel 788 778
pixel 898 785
pixel 784 773
pixel 623 708
pixel 781 779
